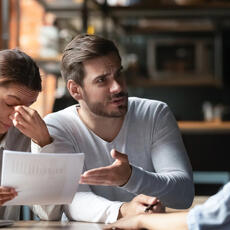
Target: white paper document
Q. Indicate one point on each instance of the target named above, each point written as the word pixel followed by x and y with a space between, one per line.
pixel 43 178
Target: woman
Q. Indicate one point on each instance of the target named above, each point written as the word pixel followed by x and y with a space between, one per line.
pixel 20 84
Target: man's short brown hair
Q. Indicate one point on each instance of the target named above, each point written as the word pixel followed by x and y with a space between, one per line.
pixel 82 48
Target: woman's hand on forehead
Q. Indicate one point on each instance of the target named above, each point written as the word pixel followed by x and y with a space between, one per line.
pixel 30 123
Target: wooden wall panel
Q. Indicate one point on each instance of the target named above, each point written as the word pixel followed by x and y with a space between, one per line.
pixel 0 24
pixel 31 14
pixel 14 24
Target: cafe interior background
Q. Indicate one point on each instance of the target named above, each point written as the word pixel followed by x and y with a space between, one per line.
pixel 177 51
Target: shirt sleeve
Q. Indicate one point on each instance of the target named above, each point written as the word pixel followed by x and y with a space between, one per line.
pixel 172 181
pixel 213 214
pixel 86 205
pixel 48 212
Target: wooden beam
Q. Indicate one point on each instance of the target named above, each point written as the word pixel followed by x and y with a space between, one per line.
pixel 14 24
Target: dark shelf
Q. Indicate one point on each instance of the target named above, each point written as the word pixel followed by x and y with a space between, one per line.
pixel 172 11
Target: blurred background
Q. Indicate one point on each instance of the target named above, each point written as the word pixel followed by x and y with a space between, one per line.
pixel 176 51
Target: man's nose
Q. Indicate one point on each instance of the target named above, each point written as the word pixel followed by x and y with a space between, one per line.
pixel 115 87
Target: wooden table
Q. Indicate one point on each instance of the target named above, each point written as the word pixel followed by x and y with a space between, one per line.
pixel 58 225
pixel 197 200
pixel 52 225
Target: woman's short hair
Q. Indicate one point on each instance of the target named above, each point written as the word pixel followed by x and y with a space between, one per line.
pixel 17 67
pixel 82 48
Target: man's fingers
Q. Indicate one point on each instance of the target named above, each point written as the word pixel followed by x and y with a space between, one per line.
pixel 119 156
pixel 104 170
pixel 97 180
pixel 159 208
pixel 146 200
pixel 97 171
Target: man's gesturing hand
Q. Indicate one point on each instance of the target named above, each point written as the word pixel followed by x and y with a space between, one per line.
pixel 116 174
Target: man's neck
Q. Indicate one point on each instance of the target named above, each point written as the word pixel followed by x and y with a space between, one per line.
pixel 106 128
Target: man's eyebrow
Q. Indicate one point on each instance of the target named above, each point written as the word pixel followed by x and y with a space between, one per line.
pixel 102 75
pixel 99 76
pixel 105 74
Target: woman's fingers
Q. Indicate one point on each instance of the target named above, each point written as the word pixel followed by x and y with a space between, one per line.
pixel 6 194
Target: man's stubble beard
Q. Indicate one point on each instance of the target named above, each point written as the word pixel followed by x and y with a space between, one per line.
pixel 97 108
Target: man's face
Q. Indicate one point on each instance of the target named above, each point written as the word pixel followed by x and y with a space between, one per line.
pixel 104 90
pixel 11 96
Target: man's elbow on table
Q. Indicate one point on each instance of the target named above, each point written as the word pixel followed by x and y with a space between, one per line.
pixel 183 198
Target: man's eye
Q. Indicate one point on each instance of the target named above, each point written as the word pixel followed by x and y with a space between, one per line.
pixel 101 80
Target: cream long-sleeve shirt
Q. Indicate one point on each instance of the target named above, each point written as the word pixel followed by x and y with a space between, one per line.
pixel 151 139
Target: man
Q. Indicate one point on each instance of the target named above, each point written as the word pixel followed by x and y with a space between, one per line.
pixel 147 153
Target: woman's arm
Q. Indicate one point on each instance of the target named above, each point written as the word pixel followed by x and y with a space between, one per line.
pixel 172 221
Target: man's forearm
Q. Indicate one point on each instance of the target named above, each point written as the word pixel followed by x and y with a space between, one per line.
pixel 174 189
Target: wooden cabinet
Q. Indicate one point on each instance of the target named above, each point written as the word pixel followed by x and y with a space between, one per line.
pixel 208 148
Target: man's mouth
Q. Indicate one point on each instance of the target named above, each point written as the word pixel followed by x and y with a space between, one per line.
pixel 119 96
pixel 119 100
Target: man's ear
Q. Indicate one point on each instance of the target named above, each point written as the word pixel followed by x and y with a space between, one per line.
pixel 74 89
